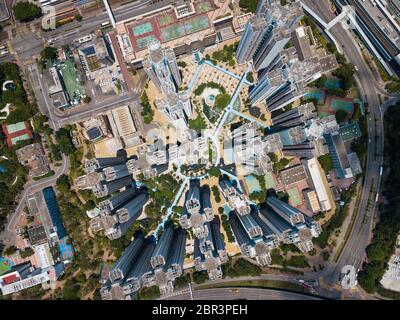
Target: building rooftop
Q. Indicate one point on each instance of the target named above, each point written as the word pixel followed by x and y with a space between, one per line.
pixel 293 175
pixel 37 234
pixel 33 157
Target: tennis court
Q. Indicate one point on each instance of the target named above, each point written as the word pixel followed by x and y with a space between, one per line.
pixel 11 128
pixel 71 80
pixel 172 32
pixel 269 180
pixel 332 84
pixel 196 24
pixel 142 42
pixel 67 252
pixel 142 29
pixel 203 6
pixel 294 197
pixel 341 104
pixel 20 138
pixel 319 95
pixel 5 265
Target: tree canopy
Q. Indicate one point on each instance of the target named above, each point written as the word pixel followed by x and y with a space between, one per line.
pixel 222 100
pixel 26 11
pixel 49 53
pixel 64 141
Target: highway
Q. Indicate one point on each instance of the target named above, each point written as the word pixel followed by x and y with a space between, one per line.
pixel 239 294
pixel 360 236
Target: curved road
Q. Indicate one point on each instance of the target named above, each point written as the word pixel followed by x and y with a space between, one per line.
pixel 30 187
pixel 360 235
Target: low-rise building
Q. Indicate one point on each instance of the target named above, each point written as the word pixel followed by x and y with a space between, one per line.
pixel 24 276
pixel 34 158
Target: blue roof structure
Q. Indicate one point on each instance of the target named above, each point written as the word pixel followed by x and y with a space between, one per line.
pixel 54 211
pixel 89 51
pixel 94 133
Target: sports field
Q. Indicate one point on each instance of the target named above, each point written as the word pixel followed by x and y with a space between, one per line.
pixel 269 180
pixel 316 94
pixel 178 30
pixel 142 42
pixel 172 32
pixel 294 197
pixel 5 265
pixel 332 84
pixel 204 6
pixel 142 29
pixel 196 24
pixel 339 104
pixel 71 80
pixel 334 104
pixel 11 128
pixel 67 252
pixel 165 19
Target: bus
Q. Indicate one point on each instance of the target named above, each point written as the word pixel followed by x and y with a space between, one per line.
pixel 377 197
pixel 105 24
pixel 381 170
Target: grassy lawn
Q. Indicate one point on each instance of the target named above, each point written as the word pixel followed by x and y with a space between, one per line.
pixel 267 284
pixel 198 123
pixel 298 262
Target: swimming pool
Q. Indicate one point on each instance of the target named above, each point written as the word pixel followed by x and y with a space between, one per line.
pixel 252 184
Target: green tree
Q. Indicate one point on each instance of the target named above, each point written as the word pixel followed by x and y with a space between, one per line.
pixel 64 141
pixel 200 277
pixel 341 116
pixel 222 100
pixel 27 252
pixel 249 77
pixel 326 162
pixel 248 5
pixel 214 172
pixel 276 257
pixel 149 293
pixel 26 11
pixel 49 53
pixel 357 114
pixel 393 87
pixel 147 112
pixel 87 99
pixel 63 184
pixel 10 250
